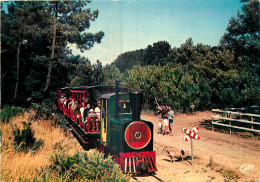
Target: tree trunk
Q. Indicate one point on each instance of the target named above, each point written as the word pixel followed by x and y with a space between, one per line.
pixel 52 56
pixel 17 68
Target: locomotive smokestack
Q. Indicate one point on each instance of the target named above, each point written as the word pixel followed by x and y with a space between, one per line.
pixel 116 100
pixel 136 100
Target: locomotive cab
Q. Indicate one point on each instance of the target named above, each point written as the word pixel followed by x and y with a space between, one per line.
pixel 108 115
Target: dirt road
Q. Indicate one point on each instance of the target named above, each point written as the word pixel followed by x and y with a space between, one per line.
pixel 232 157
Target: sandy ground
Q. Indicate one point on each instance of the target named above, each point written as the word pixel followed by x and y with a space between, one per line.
pixel 228 152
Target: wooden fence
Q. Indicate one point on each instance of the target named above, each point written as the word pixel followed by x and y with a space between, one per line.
pixel 234 120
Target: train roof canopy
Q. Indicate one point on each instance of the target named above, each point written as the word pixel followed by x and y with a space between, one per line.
pixel 65 88
pixel 108 88
pixel 107 96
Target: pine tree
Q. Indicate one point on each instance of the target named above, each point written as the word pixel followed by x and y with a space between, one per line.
pixel 70 20
pixel 243 37
pixel 18 26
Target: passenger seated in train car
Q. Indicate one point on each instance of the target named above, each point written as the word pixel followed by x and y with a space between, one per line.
pixel 61 99
pixel 86 110
pixel 64 101
pixel 67 103
pixel 71 103
pixel 85 116
pixel 76 112
pixel 82 111
pixel 97 123
pixel 97 111
pixel 72 107
pixel 92 119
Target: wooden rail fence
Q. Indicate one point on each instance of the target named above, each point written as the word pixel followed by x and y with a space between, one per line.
pixel 230 118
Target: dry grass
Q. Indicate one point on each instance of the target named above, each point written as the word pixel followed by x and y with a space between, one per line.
pixel 19 164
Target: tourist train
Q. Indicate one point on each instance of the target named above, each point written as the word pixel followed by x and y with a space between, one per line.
pixel 108 118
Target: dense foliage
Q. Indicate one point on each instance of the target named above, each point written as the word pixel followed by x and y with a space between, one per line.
pixel 201 80
pixel 81 167
pixel 36 59
pixel 221 76
pixel 128 59
pixel 8 112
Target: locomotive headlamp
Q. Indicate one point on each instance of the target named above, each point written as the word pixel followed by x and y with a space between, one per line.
pixel 138 135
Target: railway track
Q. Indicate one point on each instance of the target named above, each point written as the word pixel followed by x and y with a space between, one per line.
pixel 150 178
pixel 79 134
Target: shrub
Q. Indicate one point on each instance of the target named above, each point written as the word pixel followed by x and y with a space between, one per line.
pixel 24 139
pixel 8 112
pixel 229 175
pixel 47 112
pixel 58 120
pixel 81 167
pixel 41 112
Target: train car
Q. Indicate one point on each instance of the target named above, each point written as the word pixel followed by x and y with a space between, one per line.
pixel 124 135
pixel 72 102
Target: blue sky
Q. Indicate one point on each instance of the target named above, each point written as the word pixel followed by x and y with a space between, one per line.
pixel 135 24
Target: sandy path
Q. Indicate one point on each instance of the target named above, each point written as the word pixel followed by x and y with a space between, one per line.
pixel 226 150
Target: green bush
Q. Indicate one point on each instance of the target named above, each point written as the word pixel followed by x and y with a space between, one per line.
pixel 24 139
pixel 8 112
pixel 58 120
pixel 228 175
pixel 41 112
pixel 81 167
pixel 48 111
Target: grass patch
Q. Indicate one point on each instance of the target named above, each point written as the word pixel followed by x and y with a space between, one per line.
pixel 15 165
pixel 81 167
pixel 61 158
pixel 8 112
pixel 228 175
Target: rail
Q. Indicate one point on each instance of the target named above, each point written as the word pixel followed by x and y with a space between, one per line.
pixel 148 178
pixel 229 118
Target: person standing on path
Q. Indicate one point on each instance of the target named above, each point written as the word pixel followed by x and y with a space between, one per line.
pixel 160 123
pixel 165 122
pixel 170 118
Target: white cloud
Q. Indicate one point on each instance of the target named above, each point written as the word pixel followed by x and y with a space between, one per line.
pixel 98 52
pixel 101 49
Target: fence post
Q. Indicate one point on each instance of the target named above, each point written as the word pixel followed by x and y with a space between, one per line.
pixel 230 130
pixel 212 124
pixel 252 127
